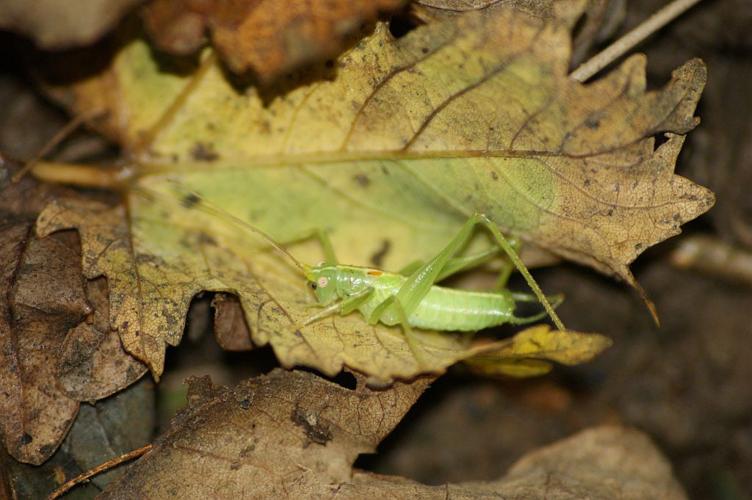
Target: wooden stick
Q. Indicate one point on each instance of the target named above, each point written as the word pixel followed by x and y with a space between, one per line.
pixel 56 139
pixel 99 468
pixel 617 49
pixel 715 257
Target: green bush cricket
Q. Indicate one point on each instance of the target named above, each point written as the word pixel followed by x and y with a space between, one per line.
pixel 411 298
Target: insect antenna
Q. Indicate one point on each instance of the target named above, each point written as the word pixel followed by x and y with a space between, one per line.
pixel 191 200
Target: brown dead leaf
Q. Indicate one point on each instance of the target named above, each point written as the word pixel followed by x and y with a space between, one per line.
pixel 93 364
pixel 290 434
pixel 53 24
pixel 250 442
pixel 230 327
pixel 266 36
pixel 43 298
pixel 102 431
pixel 603 462
pixel 459 5
pixel 599 463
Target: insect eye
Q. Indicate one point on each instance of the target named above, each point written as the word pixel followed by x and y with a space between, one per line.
pixel 322 282
pixel 312 285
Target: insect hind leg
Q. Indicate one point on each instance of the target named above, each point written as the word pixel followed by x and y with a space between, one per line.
pixel 505 245
pixel 555 301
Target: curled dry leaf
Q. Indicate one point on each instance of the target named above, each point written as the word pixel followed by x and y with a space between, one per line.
pixel 602 462
pixel 253 441
pixel 111 427
pixel 472 113
pixel 529 352
pixel 92 363
pixel 230 327
pixel 43 298
pixel 250 443
pixel 266 36
pixel 52 24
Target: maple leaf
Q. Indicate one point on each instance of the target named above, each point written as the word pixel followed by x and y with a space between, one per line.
pixel 473 113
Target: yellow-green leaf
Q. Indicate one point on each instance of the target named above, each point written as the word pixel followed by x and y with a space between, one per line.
pixel 530 352
pixel 156 266
pixel 473 113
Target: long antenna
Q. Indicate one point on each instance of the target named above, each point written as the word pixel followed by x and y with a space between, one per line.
pixel 193 200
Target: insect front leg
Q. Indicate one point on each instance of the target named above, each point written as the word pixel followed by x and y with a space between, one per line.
pixel 344 306
pixel 327 311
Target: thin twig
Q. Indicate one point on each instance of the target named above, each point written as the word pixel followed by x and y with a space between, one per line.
pixel 99 468
pixel 712 256
pixel 626 43
pixel 56 139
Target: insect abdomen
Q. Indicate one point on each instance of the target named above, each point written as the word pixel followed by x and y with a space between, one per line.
pixel 444 308
pixel 459 310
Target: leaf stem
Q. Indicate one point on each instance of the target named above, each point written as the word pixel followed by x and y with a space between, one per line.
pixel 62 134
pixel 82 175
pixel 617 49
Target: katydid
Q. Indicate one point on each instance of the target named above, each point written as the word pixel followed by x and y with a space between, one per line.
pixel 409 300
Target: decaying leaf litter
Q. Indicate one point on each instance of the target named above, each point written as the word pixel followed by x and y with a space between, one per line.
pixel 409 167
pixel 303 445
pixel 267 37
pixel 52 357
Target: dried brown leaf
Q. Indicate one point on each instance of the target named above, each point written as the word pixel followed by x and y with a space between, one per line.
pixel 289 434
pixel 93 363
pixel 600 463
pixel 266 36
pixel 603 462
pixel 230 326
pixel 109 428
pixel 43 298
pixel 250 442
